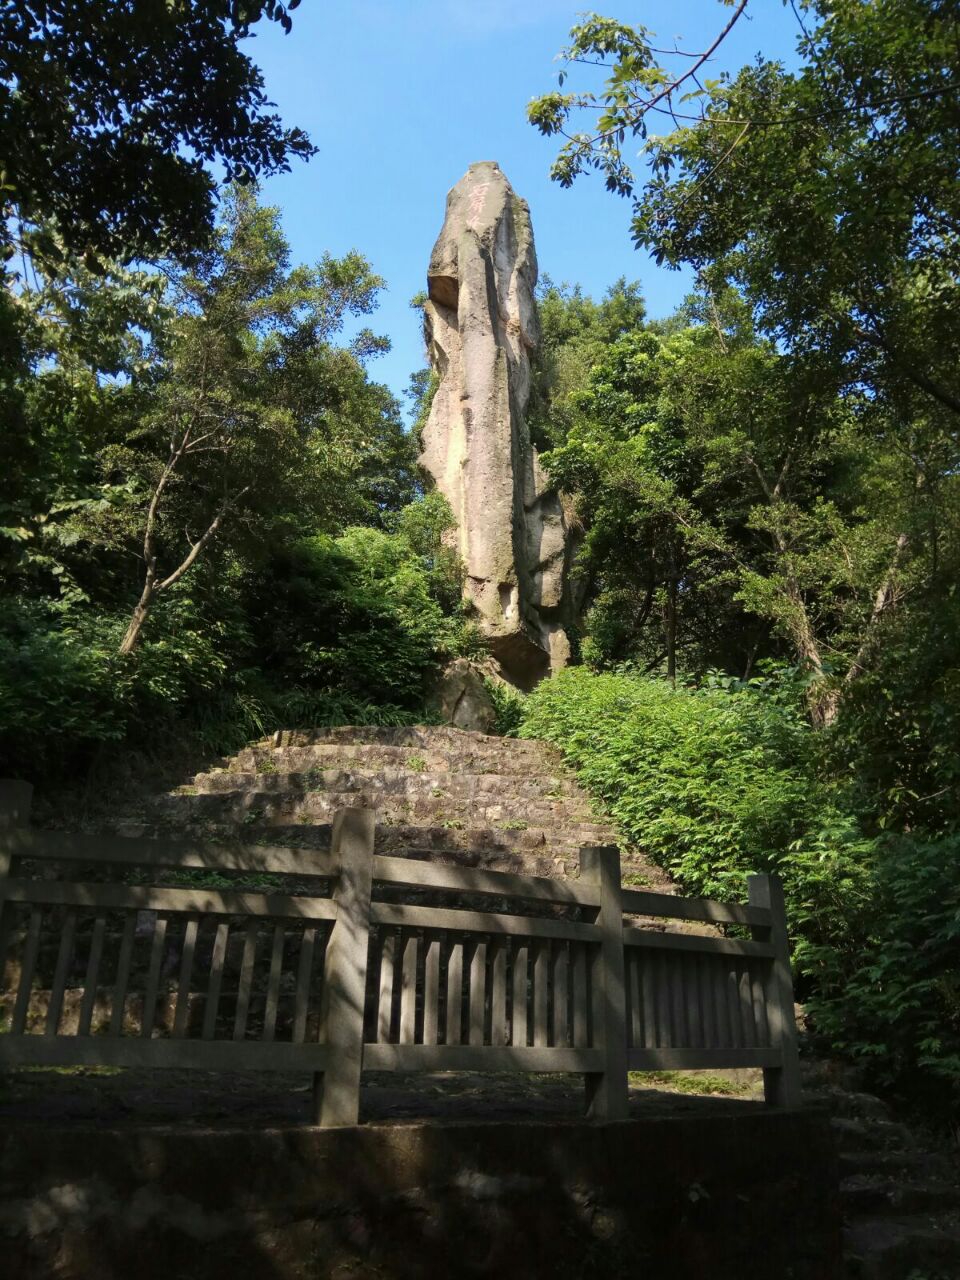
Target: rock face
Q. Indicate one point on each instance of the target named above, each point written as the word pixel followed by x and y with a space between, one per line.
pixel 512 531
pixel 460 698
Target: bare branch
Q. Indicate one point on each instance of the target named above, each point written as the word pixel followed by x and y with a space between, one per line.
pixel 882 601
pixel 202 541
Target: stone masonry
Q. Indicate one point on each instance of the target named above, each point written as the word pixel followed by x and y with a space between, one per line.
pixel 440 792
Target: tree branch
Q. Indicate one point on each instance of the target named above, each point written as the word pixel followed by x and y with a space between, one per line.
pixel 202 541
pixel 881 602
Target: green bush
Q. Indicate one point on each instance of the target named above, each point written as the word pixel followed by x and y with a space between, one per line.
pixel 716 782
pixel 894 1005
pixel 321 631
pixel 61 693
pixel 712 784
pixel 356 615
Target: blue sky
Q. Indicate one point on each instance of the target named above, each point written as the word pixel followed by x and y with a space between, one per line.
pixel 400 96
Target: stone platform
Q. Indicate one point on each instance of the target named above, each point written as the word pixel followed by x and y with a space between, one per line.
pixel 714 1189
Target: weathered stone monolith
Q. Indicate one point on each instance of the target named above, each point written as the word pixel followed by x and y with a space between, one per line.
pixel 481 323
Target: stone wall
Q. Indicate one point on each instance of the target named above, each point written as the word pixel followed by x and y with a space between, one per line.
pixel 750 1196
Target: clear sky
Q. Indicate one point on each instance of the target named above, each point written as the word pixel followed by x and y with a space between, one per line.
pixel 400 96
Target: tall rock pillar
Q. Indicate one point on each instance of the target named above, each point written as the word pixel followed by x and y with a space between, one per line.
pixel 481 324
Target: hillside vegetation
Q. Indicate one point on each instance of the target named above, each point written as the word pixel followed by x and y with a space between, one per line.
pixel 212 524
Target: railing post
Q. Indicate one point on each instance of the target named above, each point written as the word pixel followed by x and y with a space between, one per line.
pixel 337 1089
pixel 781 1085
pixel 15 798
pixel 607 1090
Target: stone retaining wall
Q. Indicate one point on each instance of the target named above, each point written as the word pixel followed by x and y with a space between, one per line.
pixel 741 1196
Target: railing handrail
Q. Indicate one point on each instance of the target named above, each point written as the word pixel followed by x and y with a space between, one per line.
pixel 561 991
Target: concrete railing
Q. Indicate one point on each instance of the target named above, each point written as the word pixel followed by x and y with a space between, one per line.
pixel 122 952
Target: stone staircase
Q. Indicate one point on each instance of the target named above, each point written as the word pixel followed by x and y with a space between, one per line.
pixel 497 803
pixel 899 1191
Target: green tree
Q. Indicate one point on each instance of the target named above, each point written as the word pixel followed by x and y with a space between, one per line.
pixel 842 249
pixel 112 112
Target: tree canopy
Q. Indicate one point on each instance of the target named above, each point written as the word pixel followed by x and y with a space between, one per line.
pixel 112 113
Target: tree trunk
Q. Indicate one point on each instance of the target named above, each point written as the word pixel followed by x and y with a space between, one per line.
pixel 131 636
pixel 671 629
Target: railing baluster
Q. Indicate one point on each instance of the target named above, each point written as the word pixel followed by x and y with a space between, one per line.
pixel 216 979
pixel 64 958
pixel 634 981
pixel 478 991
pixel 498 997
pixel 304 977
pixel 678 1011
pixel 92 976
pixel 541 994
pixel 246 979
pixel 664 1029
pixel 388 951
pixel 273 984
pixel 691 986
pixel 122 980
pixel 182 1015
pixel 733 1005
pixel 707 1003
pixel 581 1009
pixel 30 951
pixel 759 1006
pixel 648 981
pixel 520 994
pixel 747 1026
pixel 455 994
pixel 431 989
pixel 408 989
pixel 153 976
pixel 561 995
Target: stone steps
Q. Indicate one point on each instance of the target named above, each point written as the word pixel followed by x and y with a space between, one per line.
pixel 430 736
pixel 271 808
pixel 388 781
pixel 878 1194
pixel 913 1246
pixel 439 792
pixel 900 1199
pixel 417 759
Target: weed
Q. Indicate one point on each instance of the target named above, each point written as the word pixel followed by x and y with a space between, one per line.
pixel 683 1082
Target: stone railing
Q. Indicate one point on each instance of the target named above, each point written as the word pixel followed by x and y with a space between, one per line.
pixel 153 953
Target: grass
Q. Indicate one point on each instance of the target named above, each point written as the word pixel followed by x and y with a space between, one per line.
pixel 635 879
pixel 683 1082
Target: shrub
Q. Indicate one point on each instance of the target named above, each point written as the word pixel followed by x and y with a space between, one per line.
pixel 711 783
pixel 355 615
pixel 716 782
pixel 894 1005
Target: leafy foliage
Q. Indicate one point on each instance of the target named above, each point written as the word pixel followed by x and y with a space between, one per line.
pixel 197 437
pixel 894 1003
pixel 111 109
